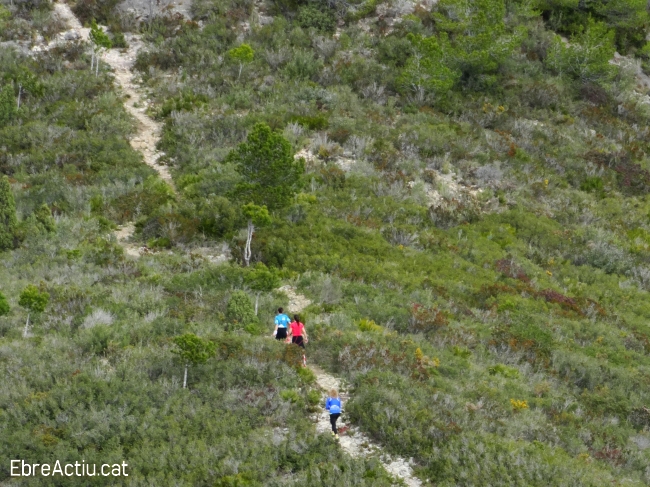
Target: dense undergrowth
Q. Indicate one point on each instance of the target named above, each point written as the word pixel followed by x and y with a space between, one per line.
pixel 492 325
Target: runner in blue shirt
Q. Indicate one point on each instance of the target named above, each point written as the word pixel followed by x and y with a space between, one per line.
pixel 281 323
pixel 333 406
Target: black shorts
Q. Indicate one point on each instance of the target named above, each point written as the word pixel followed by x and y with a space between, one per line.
pixel 282 334
pixel 298 341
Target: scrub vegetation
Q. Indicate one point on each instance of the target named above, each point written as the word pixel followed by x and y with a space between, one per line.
pixel 460 188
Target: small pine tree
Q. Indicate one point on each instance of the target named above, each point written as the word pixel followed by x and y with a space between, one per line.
pixel 43 216
pixel 34 301
pixel 270 174
pixel 241 54
pixel 7 215
pixel 100 41
pixel 193 350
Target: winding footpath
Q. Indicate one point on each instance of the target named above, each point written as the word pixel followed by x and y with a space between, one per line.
pixel 122 60
pixel 352 441
pixel 148 130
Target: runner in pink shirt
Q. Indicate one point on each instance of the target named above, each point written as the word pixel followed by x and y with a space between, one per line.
pixel 297 332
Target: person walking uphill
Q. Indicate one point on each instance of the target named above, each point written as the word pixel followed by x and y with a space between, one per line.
pixel 297 332
pixel 281 323
pixel 298 336
pixel 333 406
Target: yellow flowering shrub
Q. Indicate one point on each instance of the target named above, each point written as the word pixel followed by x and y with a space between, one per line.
pixel 518 405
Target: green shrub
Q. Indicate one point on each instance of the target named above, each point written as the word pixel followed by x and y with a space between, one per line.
pixel 290 395
pixel 587 56
pixel 394 50
pixel 96 341
pixel 7 215
pixel 313 122
pixel 261 278
pixel 159 243
pixel 104 252
pixel 503 370
pixel 43 217
pixel 628 18
pixel 218 216
pixel 308 377
pixel 321 19
pixel 4 305
pixel 101 11
pixel 7 104
pixel 592 184
pixel 369 326
pixel 462 352
pixel 302 66
pixel 186 101
pixel 119 41
pixel 366 8
pixel 313 397
pixel 255 329
pixel 240 310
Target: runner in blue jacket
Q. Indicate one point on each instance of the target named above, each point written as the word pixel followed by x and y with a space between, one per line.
pixel 333 406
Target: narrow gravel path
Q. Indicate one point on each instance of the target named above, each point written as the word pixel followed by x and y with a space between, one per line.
pixel 352 441
pixel 122 60
pixel 148 131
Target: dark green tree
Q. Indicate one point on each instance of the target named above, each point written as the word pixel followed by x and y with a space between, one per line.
pixel 424 74
pixel 43 217
pixel 193 350
pixel 587 56
pixel 7 214
pixel 34 301
pixel 628 19
pixel 270 174
pixel 4 305
pixel 7 104
pixel 471 45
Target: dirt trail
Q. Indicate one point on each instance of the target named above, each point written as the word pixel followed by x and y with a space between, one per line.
pixel 352 441
pixel 123 235
pixel 122 60
pixel 148 131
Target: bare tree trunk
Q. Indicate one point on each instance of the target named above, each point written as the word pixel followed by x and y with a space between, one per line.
pixel 241 66
pixel 20 92
pixel 249 237
pixel 26 327
pixel 257 300
pixel 92 60
pixel 185 377
pixel 97 66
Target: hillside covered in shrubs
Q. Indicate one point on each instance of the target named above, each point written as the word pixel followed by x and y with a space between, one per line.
pixel 461 188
